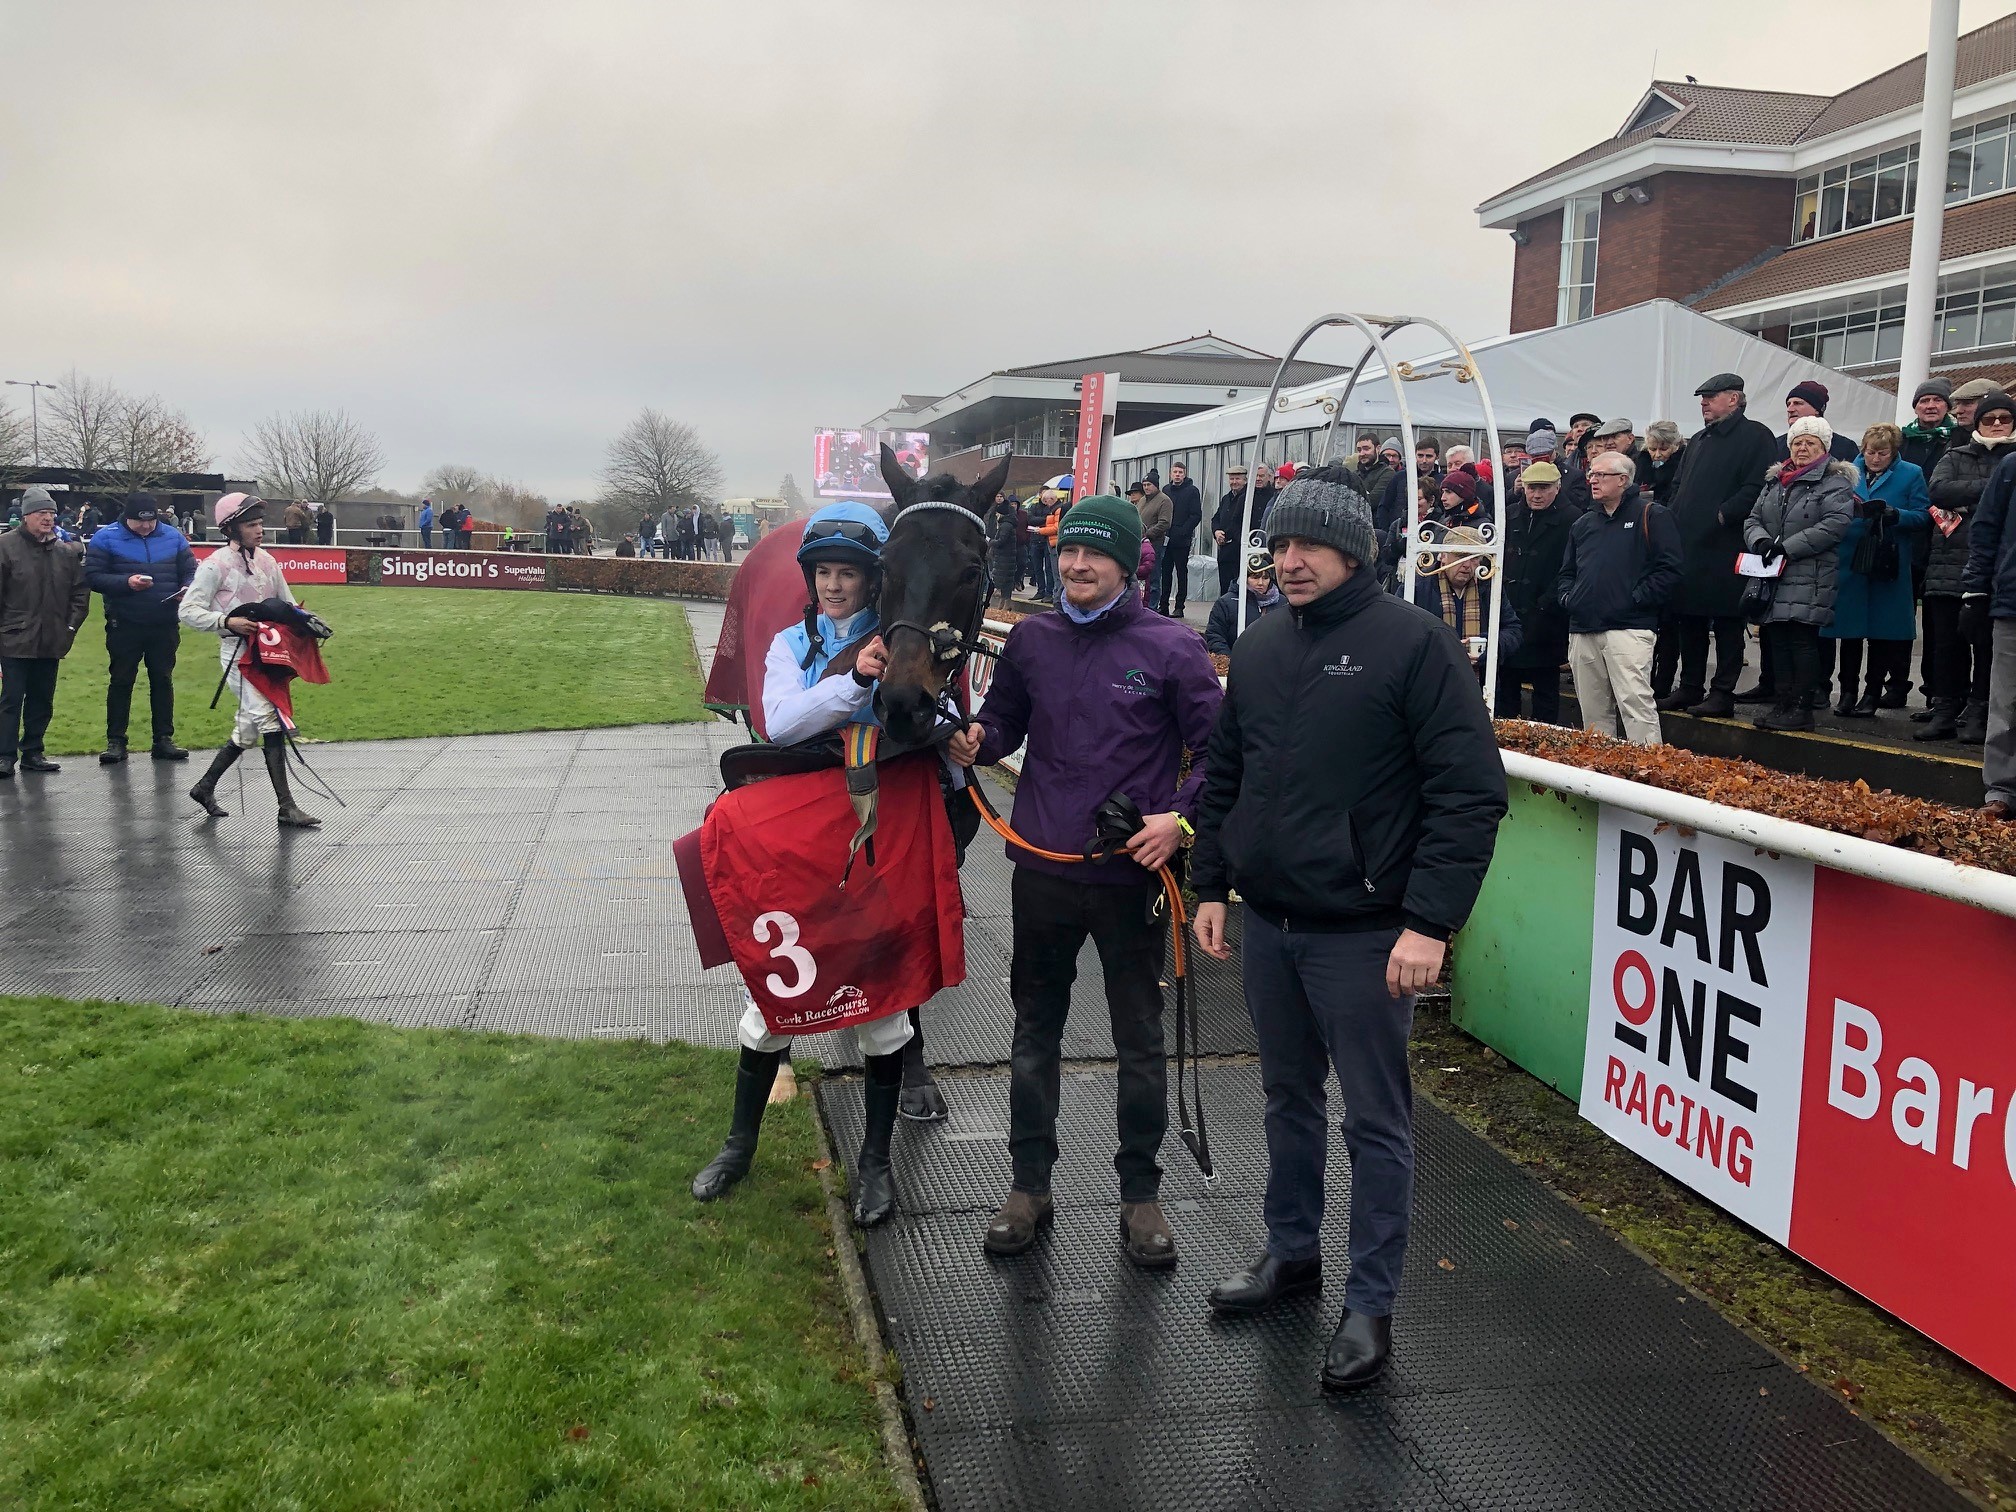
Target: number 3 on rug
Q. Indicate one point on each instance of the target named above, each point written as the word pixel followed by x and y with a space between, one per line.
pixel 787 949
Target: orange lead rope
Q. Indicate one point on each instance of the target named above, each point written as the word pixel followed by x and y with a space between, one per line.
pixel 1186 1028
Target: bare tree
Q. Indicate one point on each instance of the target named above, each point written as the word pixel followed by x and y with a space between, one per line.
pixel 454 483
pixel 150 442
pixel 16 443
pixel 515 505
pixel 659 463
pixel 83 424
pixel 321 455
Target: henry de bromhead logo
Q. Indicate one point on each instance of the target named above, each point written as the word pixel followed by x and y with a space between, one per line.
pixel 1137 682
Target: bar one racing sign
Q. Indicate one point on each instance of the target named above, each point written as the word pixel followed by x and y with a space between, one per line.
pixel 1830 1058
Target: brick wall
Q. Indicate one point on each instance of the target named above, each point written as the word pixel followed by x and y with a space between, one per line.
pixel 1697 227
pixel 1536 272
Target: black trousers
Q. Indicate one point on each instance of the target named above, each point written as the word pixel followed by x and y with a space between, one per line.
pixel 1666 655
pixel 1174 567
pixel 1888 659
pixel 1228 567
pixel 1694 633
pixel 1792 652
pixel 1959 666
pixel 27 700
pixel 1546 685
pixel 129 645
pixel 1052 918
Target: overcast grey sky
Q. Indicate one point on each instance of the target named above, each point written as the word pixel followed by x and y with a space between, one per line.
pixel 494 231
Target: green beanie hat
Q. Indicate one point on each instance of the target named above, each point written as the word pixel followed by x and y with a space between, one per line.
pixel 1105 524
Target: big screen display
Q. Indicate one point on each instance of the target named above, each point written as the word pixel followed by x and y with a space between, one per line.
pixel 847 464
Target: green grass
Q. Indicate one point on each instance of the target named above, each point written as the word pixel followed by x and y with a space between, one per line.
pixel 269 1264
pixel 429 661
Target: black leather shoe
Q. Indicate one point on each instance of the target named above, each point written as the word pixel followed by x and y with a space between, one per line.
pixel 1265 1282
pixel 167 750
pixel 35 761
pixel 1757 693
pixel 1719 704
pixel 1358 1351
pixel 113 754
pixel 1680 698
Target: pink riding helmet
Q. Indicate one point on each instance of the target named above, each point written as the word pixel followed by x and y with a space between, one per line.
pixel 232 505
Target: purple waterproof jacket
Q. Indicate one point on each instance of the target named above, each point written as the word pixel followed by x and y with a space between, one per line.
pixel 1106 707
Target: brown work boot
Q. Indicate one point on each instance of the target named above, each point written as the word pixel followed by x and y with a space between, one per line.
pixel 1144 1234
pixel 1015 1225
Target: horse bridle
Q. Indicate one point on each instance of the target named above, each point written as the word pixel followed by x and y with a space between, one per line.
pixel 949 646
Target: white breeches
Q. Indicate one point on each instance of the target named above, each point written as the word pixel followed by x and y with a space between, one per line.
pixel 882 1036
pixel 256 715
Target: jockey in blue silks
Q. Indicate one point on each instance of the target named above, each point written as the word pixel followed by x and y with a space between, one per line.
pixel 818 676
pixel 799 699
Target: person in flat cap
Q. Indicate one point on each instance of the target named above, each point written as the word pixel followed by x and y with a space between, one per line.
pixel 1353 798
pixel 43 602
pixel 1808 397
pixel 1720 476
pixel 1621 436
pixel 141 565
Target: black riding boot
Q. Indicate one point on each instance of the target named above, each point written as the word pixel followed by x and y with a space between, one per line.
pixel 752 1090
pixel 874 1181
pixel 276 768
pixel 921 1098
pixel 205 791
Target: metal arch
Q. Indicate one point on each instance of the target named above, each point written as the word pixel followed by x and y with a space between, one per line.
pixel 1376 343
pixel 1465 370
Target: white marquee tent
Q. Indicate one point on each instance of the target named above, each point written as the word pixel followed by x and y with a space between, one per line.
pixel 1643 362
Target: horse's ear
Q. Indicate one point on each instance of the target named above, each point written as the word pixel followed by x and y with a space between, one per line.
pixel 902 487
pixel 990 483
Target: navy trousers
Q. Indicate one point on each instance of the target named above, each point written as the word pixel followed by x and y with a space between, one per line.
pixel 1318 1002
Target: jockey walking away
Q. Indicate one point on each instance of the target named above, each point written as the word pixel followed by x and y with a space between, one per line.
pixel 819 676
pixel 238 574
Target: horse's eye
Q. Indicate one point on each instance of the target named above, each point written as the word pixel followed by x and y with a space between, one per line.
pixel 970 575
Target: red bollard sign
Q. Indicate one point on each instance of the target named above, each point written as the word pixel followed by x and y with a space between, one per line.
pixel 1829 1057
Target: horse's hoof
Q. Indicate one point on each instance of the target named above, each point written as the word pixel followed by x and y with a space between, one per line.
pixel 923 1103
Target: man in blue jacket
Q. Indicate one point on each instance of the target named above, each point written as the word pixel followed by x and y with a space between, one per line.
pixel 1107 695
pixel 141 565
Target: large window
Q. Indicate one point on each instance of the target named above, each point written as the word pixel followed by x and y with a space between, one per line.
pixel 1579 218
pixel 1976 309
pixel 1884 186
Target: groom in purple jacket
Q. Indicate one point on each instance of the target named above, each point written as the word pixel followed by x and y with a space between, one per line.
pixel 1107 695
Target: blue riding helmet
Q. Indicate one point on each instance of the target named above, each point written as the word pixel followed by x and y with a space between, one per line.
pixel 845 532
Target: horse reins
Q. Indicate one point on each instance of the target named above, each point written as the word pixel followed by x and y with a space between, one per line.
pixel 1186 1009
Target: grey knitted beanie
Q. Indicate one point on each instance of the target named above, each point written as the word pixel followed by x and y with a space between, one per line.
pixel 1321 506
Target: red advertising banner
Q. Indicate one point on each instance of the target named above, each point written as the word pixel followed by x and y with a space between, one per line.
pixel 462 569
pixel 299 564
pixel 1906 1185
pixel 1085 459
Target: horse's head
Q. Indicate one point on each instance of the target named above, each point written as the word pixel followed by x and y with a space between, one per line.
pixel 934 585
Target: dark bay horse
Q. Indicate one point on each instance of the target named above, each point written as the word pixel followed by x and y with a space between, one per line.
pixel 934 588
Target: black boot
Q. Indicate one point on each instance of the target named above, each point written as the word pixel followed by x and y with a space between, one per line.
pixel 874 1181
pixel 1865 707
pixel 752 1091
pixel 1972 726
pixel 1894 694
pixel 1265 1282
pixel 1680 698
pixel 1761 691
pixel 1719 704
pixel 114 752
pixel 205 791
pixel 276 768
pixel 1846 707
pixel 921 1100
pixel 165 749
pixel 1944 723
pixel 1358 1351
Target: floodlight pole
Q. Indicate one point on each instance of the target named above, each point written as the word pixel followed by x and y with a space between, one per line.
pixel 34 410
pixel 1928 217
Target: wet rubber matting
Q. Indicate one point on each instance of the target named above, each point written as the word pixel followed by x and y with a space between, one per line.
pixel 524 883
pixel 1537 1363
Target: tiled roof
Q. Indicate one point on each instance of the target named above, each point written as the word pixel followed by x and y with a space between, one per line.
pixel 1708 113
pixel 1984 53
pixel 1982 226
pixel 1960 373
pixel 1767 118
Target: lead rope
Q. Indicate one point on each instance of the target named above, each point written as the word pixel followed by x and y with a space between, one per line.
pixel 1186 1027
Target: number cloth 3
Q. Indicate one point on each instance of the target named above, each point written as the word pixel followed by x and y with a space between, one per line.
pixel 812 956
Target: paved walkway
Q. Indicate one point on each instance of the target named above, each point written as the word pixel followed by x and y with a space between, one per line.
pixel 525 883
